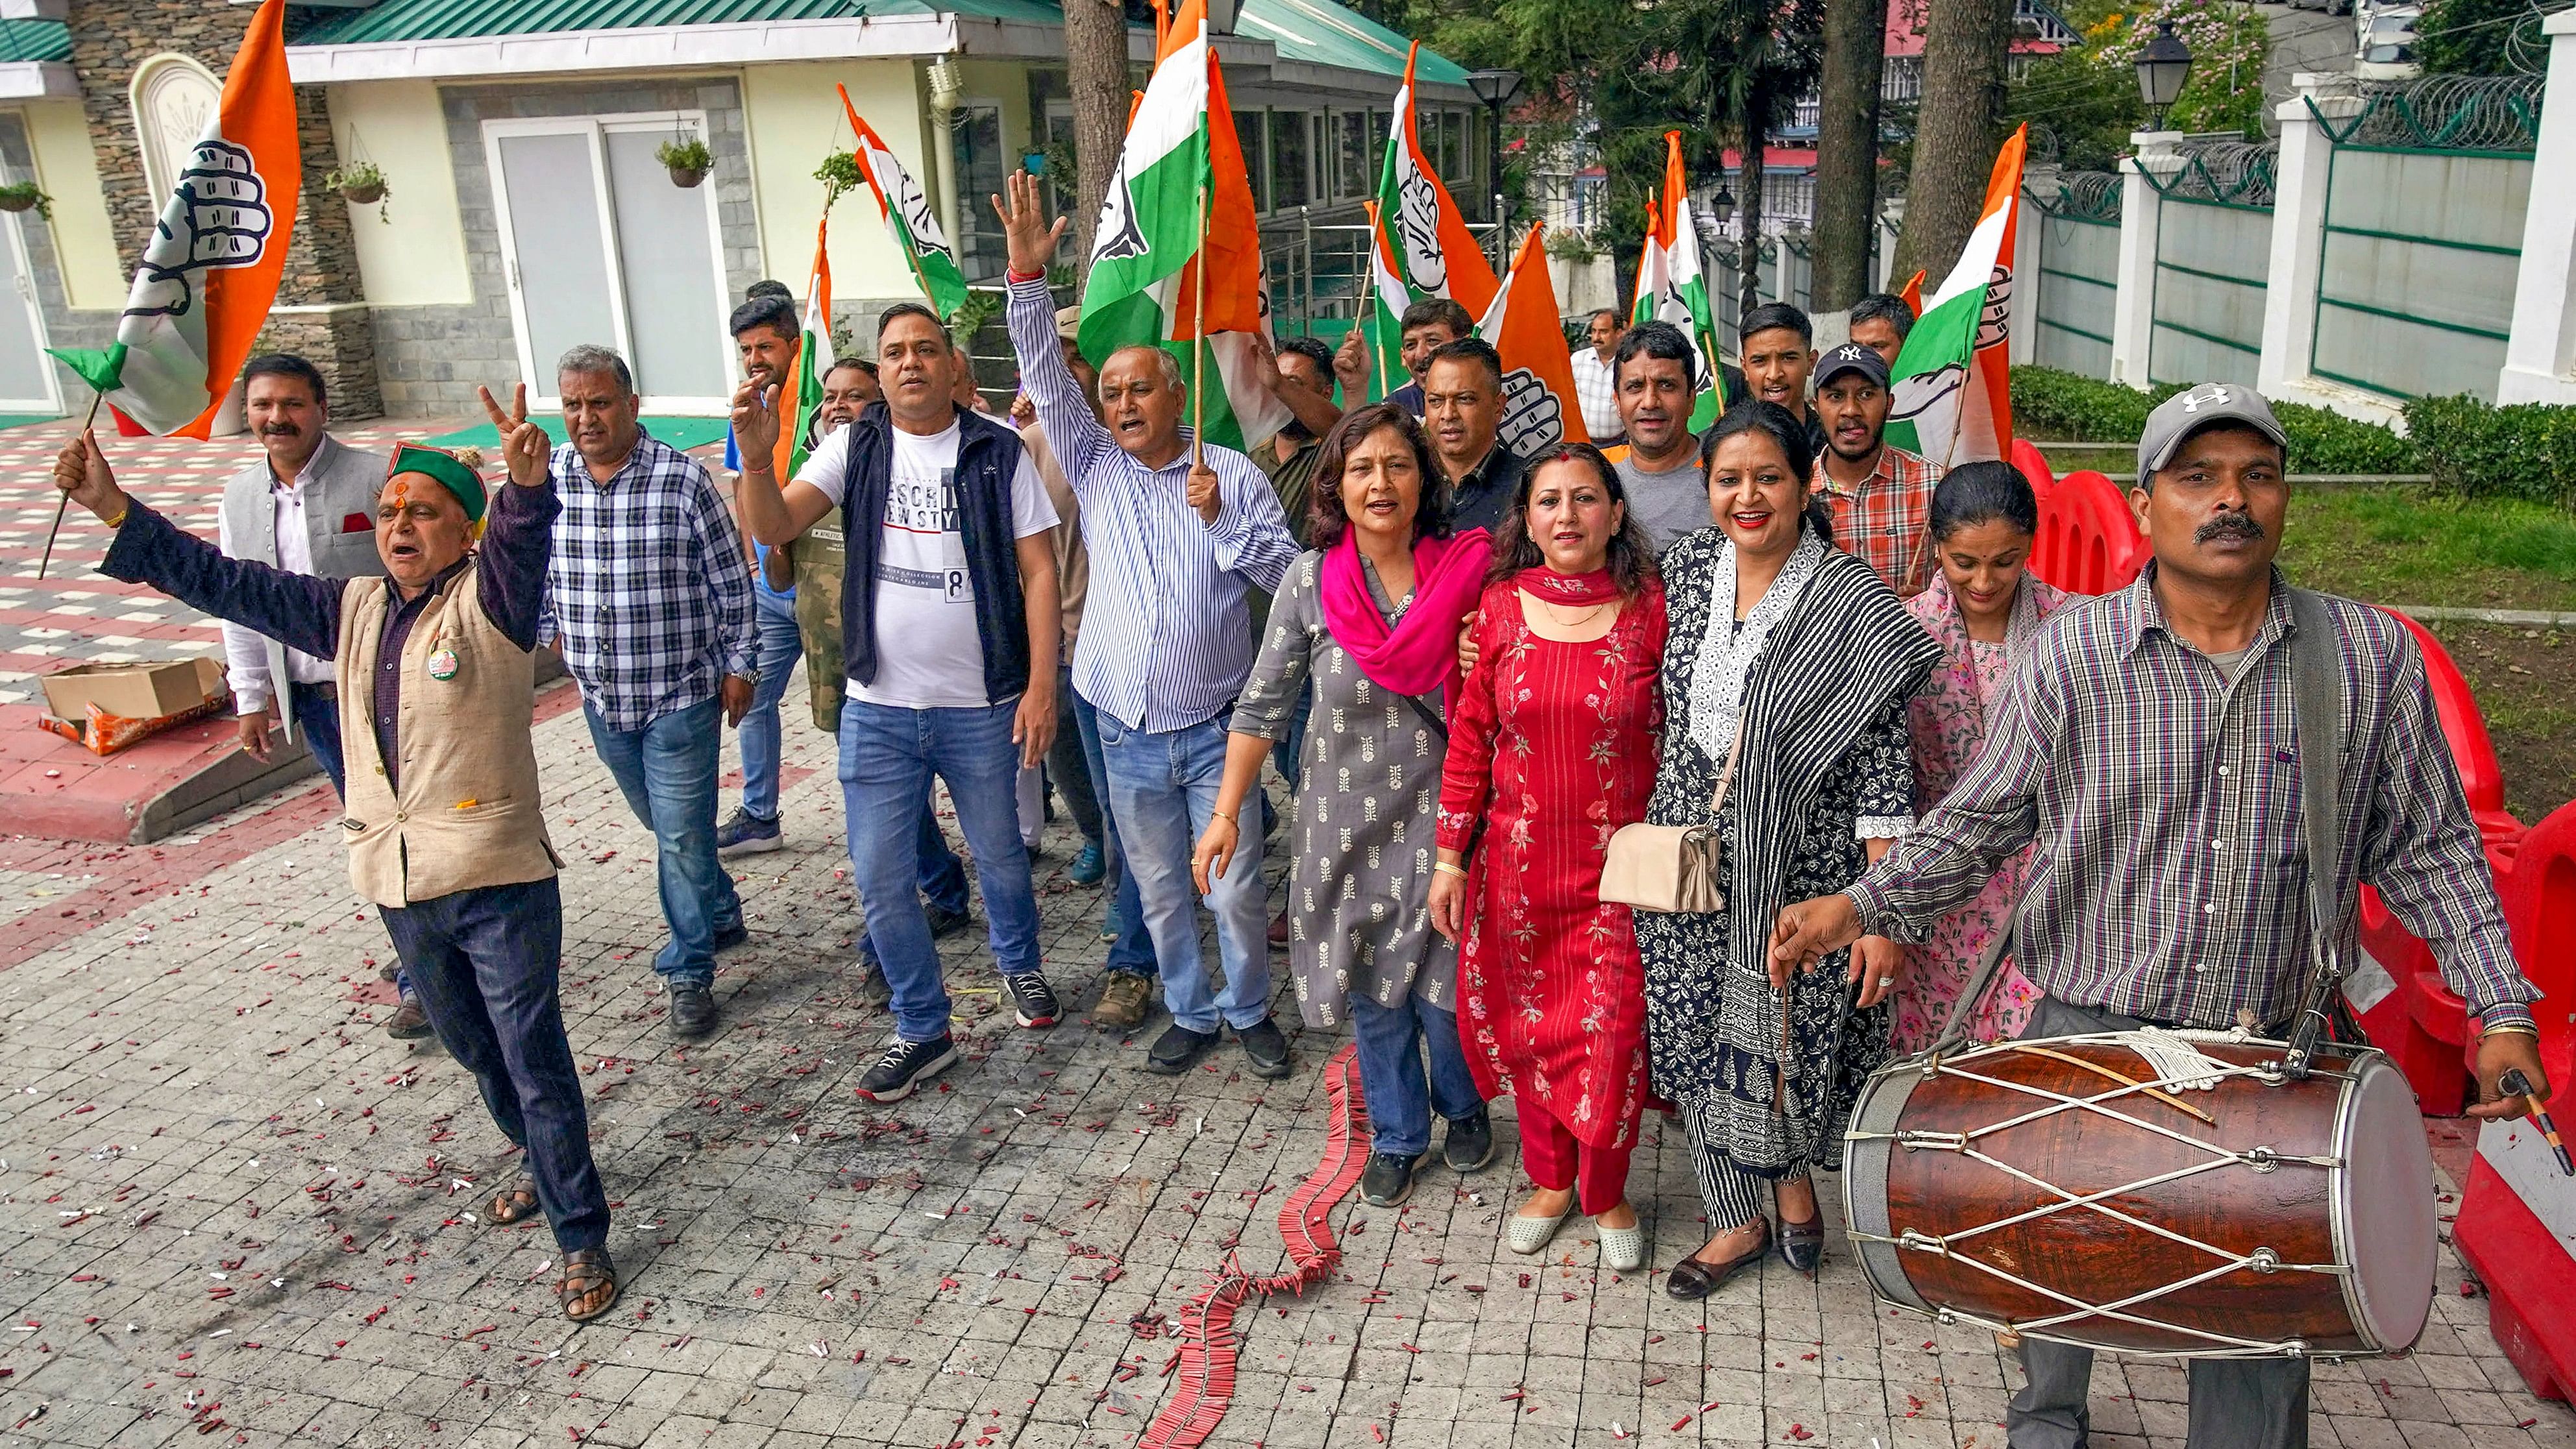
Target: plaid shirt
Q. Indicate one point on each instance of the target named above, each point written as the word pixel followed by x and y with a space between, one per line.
pixel 648 588
pixel 1597 393
pixel 2170 875
pixel 1883 521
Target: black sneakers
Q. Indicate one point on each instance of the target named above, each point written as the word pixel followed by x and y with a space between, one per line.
pixel 1265 1049
pixel 904 1067
pixel 1177 1050
pixel 693 1012
pixel 1468 1144
pixel 1388 1179
pixel 1032 1000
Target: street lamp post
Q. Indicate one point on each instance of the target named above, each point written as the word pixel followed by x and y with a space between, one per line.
pixel 2164 65
pixel 1496 88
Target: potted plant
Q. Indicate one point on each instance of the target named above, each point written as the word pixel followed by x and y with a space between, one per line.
pixel 24 196
pixel 840 176
pixel 359 184
pixel 687 159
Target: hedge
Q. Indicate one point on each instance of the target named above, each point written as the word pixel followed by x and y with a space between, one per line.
pixel 2046 400
pixel 2527 450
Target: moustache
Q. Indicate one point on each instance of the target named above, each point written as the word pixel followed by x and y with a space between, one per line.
pixel 2229 525
pixel 281 430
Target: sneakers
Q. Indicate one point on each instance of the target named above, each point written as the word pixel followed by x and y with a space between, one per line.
pixel 1264 1048
pixel 1388 1179
pixel 409 1021
pixel 744 833
pixel 693 1012
pixel 1032 1000
pixel 944 922
pixel 1468 1144
pixel 1177 1050
pixel 1090 866
pixel 1110 923
pixel 1125 998
pixel 904 1067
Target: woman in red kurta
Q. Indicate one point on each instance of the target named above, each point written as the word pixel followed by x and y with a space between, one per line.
pixel 1552 747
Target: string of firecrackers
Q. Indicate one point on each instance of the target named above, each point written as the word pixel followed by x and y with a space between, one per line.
pixel 1204 1382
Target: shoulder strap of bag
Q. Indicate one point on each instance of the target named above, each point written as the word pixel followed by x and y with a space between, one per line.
pixel 2316 685
pixel 1726 774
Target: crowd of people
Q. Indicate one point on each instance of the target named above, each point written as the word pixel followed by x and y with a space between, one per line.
pixel 1471 669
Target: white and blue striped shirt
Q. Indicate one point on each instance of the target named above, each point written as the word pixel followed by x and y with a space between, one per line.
pixel 1166 636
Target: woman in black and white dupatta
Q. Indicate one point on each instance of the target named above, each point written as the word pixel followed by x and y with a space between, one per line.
pixel 1794 659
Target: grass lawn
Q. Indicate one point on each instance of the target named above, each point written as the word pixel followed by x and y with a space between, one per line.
pixel 2525 681
pixel 2402 545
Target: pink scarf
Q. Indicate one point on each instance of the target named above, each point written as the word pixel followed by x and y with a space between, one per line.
pixel 1420 654
pixel 1573 590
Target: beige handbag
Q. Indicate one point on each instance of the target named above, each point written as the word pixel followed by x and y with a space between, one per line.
pixel 1670 867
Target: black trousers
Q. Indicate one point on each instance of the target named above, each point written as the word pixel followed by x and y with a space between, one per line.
pixel 486 963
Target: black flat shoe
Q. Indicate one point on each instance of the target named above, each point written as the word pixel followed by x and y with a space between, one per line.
pixel 1388 1179
pixel 1694 1278
pixel 1802 1245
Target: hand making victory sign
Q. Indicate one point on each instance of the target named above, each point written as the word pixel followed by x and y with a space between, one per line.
pixel 525 449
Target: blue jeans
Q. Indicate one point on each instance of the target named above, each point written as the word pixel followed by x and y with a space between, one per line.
pixel 1133 950
pixel 668 772
pixel 1162 790
pixel 1391 1074
pixel 488 963
pixel 779 647
pixel 888 757
pixel 317 719
pixel 1291 768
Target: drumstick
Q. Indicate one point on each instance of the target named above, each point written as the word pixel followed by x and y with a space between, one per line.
pixel 95 398
pixel 2168 1098
pixel 2514 1084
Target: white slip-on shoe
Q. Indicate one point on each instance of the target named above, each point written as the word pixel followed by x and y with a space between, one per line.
pixel 1623 1250
pixel 1527 1235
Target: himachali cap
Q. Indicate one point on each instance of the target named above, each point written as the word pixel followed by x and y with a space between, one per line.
pixel 1852 357
pixel 450 471
pixel 2194 408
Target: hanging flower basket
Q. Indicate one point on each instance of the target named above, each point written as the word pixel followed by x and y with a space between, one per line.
pixel 359 184
pixel 23 196
pixel 685 176
pixel 688 160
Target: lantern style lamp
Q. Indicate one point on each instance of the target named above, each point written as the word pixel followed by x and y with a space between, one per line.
pixel 2164 65
pixel 1725 206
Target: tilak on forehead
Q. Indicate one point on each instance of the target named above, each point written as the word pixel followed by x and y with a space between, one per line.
pixel 440 466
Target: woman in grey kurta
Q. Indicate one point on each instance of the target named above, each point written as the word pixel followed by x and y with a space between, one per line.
pixel 1369 619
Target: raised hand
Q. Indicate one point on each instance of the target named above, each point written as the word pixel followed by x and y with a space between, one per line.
pixel 755 423
pixel 1204 494
pixel 525 448
pixel 1026 227
pixel 81 471
pixel 1351 368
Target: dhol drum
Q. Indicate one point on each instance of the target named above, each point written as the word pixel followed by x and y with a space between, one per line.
pixel 2159 1193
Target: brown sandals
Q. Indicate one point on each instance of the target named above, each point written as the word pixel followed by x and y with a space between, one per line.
pixel 513 1204
pixel 587 1272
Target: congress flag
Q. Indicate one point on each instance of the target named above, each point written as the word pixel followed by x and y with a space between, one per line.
pixel 1421 245
pixel 800 399
pixel 1671 287
pixel 1953 381
pixel 1540 409
pixel 908 219
pixel 210 272
pixel 1181 203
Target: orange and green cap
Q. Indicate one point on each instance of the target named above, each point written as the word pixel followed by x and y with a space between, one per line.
pixel 452 472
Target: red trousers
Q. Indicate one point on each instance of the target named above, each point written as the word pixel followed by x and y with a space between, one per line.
pixel 1556 1160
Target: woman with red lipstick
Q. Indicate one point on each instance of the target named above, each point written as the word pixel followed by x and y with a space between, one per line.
pixel 1984 608
pixel 1552 748
pixel 1786 672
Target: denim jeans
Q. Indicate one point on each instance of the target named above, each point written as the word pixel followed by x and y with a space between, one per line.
pixel 487 961
pixel 1399 1105
pixel 1133 949
pixel 317 719
pixel 1069 763
pixel 668 772
pixel 888 757
pixel 1162 791
pixel 779 647
pixel 1292 746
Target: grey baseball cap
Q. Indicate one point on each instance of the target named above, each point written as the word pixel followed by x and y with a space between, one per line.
pixel 2196 407
pixel 1852 357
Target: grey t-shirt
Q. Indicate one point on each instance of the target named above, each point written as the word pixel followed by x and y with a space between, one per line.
pixel 1666 505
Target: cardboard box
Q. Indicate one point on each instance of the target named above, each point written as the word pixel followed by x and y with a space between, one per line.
pixel 133 691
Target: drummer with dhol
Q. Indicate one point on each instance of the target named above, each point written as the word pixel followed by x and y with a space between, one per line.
pixel 2148 750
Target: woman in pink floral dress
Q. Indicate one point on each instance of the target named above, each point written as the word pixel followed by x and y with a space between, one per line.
pixel 1984 608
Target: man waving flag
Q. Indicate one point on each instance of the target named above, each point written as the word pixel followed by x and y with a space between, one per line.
pixel 800 400
pixel 1176 257
pixel 1954 378
pixel 1420 246
pixel 1671 287
pixel 908 220
pixel 210 271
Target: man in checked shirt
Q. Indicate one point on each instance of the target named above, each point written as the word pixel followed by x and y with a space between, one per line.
pixel 649 590
pixel 2149 747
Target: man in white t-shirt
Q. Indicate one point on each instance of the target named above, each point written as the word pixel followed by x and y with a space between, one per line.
pixel 949 630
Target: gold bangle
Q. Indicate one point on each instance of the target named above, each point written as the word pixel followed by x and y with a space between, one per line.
pixel 1445 868
pixel 2509 1028
pixel 119 520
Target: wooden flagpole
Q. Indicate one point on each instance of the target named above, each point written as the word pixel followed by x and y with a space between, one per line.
pixel 1198 335
pixel 95 398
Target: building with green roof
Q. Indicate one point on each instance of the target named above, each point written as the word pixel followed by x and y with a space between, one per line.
pixel 524 209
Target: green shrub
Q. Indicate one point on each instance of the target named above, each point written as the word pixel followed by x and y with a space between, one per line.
pixel 2527 450
pixel 2049 403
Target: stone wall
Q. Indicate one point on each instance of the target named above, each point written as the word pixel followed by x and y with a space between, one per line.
pixel 110 39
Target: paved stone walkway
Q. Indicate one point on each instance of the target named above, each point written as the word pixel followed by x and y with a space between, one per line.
pixel 231 1211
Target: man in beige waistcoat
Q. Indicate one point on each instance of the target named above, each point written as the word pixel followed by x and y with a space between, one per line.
pixel 445 824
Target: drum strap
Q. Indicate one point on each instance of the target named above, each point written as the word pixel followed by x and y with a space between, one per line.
pixel 2316 684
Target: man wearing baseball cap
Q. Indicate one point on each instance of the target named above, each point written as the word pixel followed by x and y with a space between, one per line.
pixel 2149 751
pixel 1880 494
pixel 444 819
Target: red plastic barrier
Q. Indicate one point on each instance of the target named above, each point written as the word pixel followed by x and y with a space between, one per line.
pixel 2462 725
pixel 2034 466
pixel 2088 541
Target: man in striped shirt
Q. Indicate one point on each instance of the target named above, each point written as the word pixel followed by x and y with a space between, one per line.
pixel 1178 534
pixel 2149 748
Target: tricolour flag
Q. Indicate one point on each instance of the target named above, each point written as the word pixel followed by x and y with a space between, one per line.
pixel 1420 245
pixel 1671 287
pixel 209 274
pixel 1179 203
pixel 908 219
pixel 1540 409
pixel 800 400
pixel 1953 381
